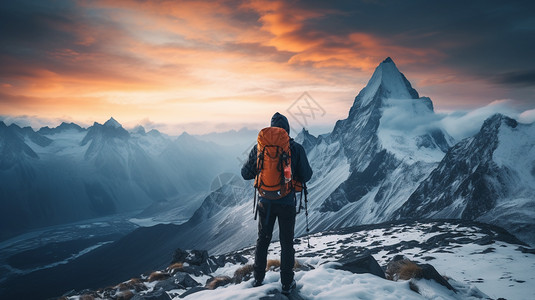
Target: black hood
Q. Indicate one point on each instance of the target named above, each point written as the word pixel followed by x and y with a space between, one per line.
pixel 280 121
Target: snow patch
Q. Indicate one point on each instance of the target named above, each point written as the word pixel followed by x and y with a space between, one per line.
pixel 516 151
pixel 388 76
pixel 406 130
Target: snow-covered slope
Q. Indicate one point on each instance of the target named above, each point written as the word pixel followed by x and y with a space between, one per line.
pixel 477 260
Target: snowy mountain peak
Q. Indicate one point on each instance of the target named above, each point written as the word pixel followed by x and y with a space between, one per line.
pixel 98 134
pixel 303 133
pixel 112 123
pixel 388 60
pixel 186 138
pixel 307 140
pixel 389 80
pixel 488 134
pixel 139 130
pixel 497 120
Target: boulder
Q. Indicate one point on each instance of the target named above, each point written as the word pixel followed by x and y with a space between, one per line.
pixel 192 291
pixel 192 257
pixel 184 280
pixel 195 270
pixel 395 266
pixel 156 295
pixel 197 262
pixel 363 263
pixel 215 282
pixel 167 285
pixel 403 268
pixel 429 272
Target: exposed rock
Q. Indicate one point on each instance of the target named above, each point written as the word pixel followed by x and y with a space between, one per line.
pixel 157 276
pixel 429 272
pixel 156 295
pixel 184 280
pixel 192 257
pixel 197 262
pixel 402 268
pixel 243 274
pixel 133 284
pixel 394 267
pixel 124 295
pixel 167 285
pixel 364 263
pixel 527 250
pixel 214 283
pixel 192 291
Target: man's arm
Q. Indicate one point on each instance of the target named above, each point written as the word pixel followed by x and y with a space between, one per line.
pixel 302 168
pixel 248 171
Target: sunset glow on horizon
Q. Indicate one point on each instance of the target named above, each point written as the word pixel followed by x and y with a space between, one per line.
pixel 203 66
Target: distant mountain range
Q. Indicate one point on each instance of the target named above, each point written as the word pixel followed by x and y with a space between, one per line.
pixel 68 173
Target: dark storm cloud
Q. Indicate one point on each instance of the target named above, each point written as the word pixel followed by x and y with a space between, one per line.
pixel 55 36
pixel 25 26
pixel 521 78
pixel 479 38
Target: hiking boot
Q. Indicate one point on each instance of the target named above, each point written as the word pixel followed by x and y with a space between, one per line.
pixel 257 283
pixel 286 290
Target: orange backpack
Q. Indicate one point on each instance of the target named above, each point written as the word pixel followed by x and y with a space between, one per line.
pixel 274 163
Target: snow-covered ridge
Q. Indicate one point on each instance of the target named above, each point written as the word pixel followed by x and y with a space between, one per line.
pixel 479 262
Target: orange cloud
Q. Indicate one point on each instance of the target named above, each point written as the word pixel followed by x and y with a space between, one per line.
pixel 360 50
pixel 194 60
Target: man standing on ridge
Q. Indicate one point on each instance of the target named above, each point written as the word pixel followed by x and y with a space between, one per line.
pixel 276 201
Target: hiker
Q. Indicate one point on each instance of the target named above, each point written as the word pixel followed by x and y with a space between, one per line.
pixel 277 201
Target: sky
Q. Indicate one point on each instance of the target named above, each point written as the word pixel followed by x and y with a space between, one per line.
pixel 204 66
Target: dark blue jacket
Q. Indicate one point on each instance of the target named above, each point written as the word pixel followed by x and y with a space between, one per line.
pixel 301 170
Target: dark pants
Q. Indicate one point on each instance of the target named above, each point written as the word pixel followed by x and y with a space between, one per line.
pixel 286 216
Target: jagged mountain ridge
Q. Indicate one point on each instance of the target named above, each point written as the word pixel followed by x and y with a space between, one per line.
pixel 477 180
pixel 61 128
pixel 69 173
